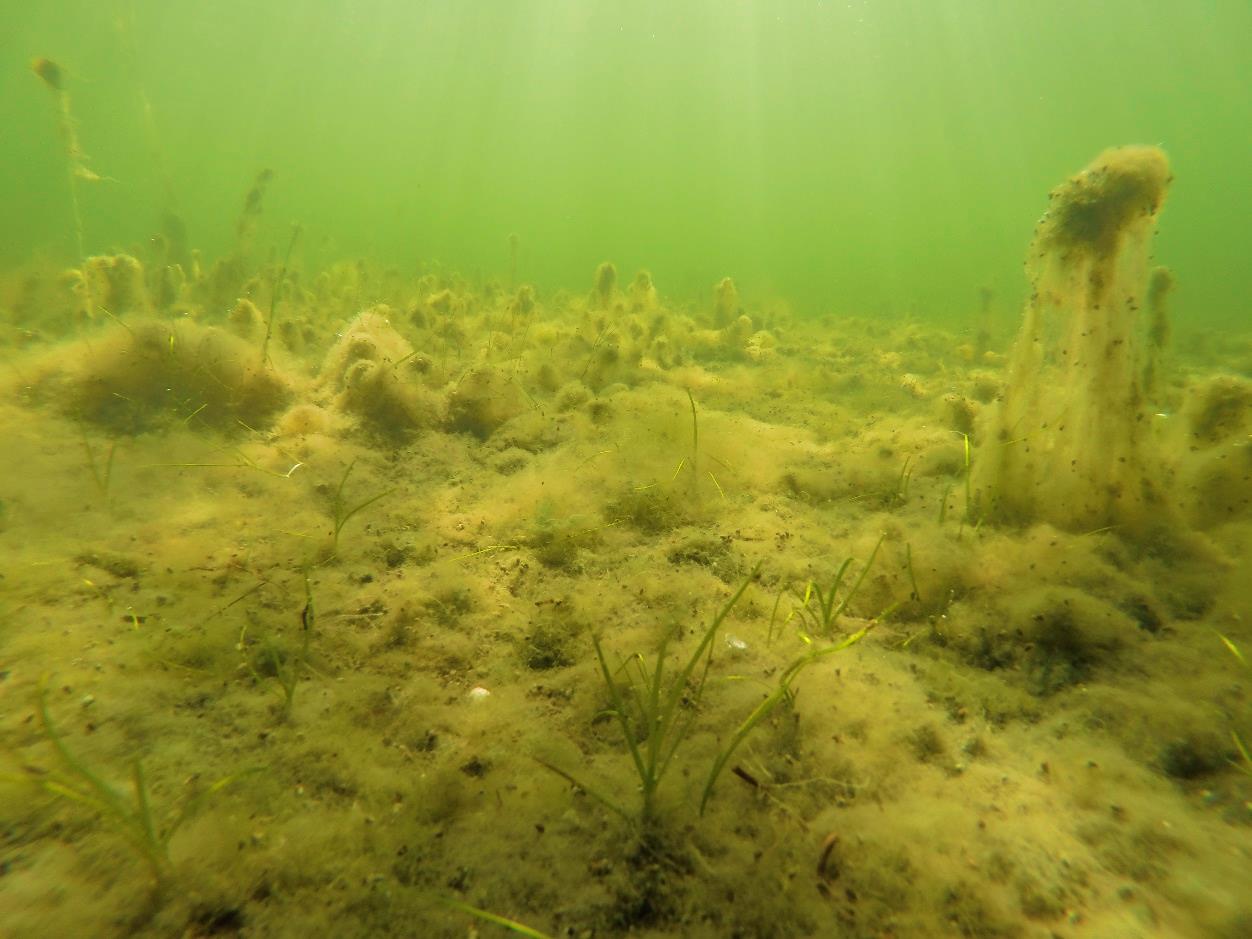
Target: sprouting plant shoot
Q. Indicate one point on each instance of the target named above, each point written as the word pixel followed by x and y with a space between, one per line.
pixel 274 661
pixel 819 608
pixel 943 502
pixel 968 518
pixel 495 919
pixel 1234 650
pixel 916 595
pixel 900 495
pixel 343 512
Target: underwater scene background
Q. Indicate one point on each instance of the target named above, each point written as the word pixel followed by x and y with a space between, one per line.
pixel 885 156
pixel 661 469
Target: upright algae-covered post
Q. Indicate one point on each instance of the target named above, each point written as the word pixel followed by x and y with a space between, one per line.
pixel 1071 442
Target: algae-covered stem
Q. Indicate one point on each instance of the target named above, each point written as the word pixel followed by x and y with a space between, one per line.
pixel 278 285
pixel 51 74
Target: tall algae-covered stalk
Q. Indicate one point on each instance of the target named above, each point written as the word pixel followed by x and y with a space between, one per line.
pixel 274 290
pixel 1071 442
pixel 53 76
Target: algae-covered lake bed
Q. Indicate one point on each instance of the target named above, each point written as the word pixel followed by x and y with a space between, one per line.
pixel 577 469
pixel 340 603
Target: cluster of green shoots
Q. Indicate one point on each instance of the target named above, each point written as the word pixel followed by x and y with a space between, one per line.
pixel 655 703
pixel 819 608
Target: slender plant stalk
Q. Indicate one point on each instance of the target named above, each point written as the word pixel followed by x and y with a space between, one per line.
pixel 943 502
pixel 967 518
pixel 908 560
pixel 1244 763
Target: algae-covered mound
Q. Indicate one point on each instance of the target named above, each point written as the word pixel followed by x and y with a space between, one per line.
pixel 116 285
pixel 377 377
pixel 1072 440
pixel 150 373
